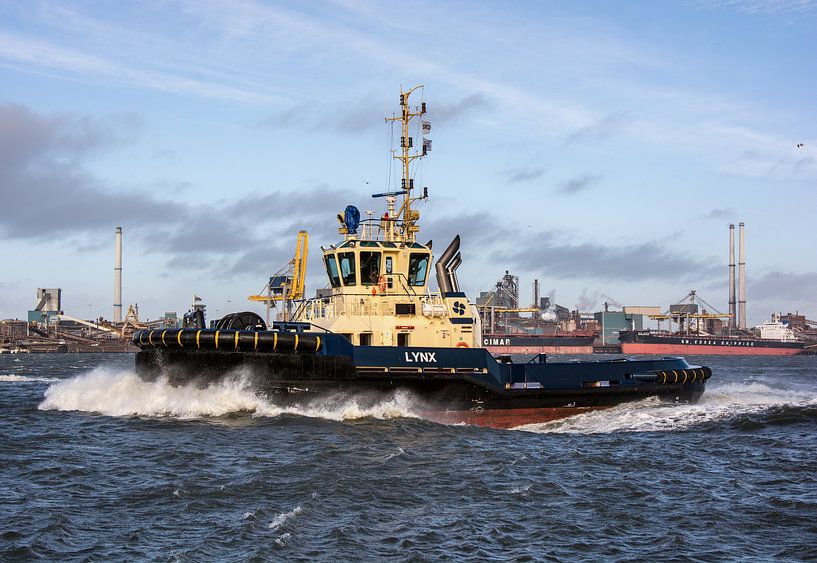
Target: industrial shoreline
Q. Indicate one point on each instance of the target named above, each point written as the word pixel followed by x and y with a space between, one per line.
pixel 508 327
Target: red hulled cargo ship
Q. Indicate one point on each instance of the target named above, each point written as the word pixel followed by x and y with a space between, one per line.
pixel 646 342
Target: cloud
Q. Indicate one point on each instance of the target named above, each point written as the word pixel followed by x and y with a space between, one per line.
pixel 578 184
pixel 602 129
pixel 765 7
pixel 47 193
pixel 630 262
pixel 253 236
pixel 555 254
pixel 45 189
pixel 365 113
pixel 719 213
pixel 803 163
pixel 28 139
pixel 26 54
pixel 294 116
pixel 443 112
pixel 166 154
pixel 358 115
pixel 783 286
pixel 759 154
pixel 522 175
pixel 475 228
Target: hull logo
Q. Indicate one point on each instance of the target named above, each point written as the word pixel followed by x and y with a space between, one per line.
pixel 426 357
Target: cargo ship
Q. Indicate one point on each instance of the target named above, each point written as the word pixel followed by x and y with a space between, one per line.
pixel 776 339
pixel 380 329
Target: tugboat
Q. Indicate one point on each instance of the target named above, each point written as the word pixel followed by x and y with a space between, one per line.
pixel 381 329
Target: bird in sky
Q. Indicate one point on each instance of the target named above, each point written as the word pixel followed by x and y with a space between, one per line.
pixel 800 145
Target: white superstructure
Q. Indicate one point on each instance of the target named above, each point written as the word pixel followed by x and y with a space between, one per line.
pixel 379 274
pixel 775 330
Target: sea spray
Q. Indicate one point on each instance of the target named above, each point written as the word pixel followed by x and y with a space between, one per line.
pixel 349 407
pixel 123 393
pixel 720 402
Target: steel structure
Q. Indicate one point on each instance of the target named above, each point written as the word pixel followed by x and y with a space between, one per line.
pixel 287 284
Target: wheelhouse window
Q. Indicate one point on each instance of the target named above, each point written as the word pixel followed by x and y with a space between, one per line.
pixel 369 267
pixel 332 270
pixel 418 268
pixel 347 268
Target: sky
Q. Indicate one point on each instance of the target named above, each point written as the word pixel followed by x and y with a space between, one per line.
pixel 601 147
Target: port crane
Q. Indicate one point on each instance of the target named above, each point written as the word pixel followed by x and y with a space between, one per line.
pixel 288 283
pixel 681 316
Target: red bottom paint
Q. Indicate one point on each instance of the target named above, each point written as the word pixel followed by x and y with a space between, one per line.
pixel 505 418
pixel 700 350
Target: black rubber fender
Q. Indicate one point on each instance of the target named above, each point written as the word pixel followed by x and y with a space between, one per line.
pixel 683 376
pixel 228 340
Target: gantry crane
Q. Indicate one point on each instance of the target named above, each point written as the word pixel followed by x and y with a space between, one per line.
pixel 288 283
pixel 686 318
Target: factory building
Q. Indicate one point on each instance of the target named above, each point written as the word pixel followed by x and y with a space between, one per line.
pixel 13 328
pixel 47 306
pixel 610 323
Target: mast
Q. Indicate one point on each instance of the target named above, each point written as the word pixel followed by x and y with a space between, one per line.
pixel 406 156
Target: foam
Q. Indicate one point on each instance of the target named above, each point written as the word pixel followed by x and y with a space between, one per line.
pixel 718 403
pixel 283 540
pixel 11 378
pixel 282 518
pixel 123 393
pixel 340 408
pixel 400 452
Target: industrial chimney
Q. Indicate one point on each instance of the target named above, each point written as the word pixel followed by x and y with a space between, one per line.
pixel 732 303
pixel 536 293
pixel 742 279
pixel 117 279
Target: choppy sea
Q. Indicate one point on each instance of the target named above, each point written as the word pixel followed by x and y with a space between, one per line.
pixel 97 465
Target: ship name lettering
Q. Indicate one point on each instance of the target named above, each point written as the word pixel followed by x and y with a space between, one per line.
pixel 427 357
pixel 496 341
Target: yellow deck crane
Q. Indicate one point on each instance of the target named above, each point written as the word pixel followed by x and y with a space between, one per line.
pixel 287 284
pixel 687 317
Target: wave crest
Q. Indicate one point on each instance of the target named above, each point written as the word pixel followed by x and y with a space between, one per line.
pixel 11 378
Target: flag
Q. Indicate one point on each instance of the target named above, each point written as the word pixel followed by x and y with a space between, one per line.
pixel 426 127
pixel 426 145
pixel 196 298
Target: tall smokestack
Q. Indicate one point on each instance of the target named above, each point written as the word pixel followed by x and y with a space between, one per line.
pixel 536 293
pixel 742 279
pixel 117 279
pixel 732 303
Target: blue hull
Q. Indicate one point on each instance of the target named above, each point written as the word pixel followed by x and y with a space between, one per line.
pixel 442 379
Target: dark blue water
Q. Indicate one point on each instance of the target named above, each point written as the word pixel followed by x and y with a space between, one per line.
pixel 95 464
